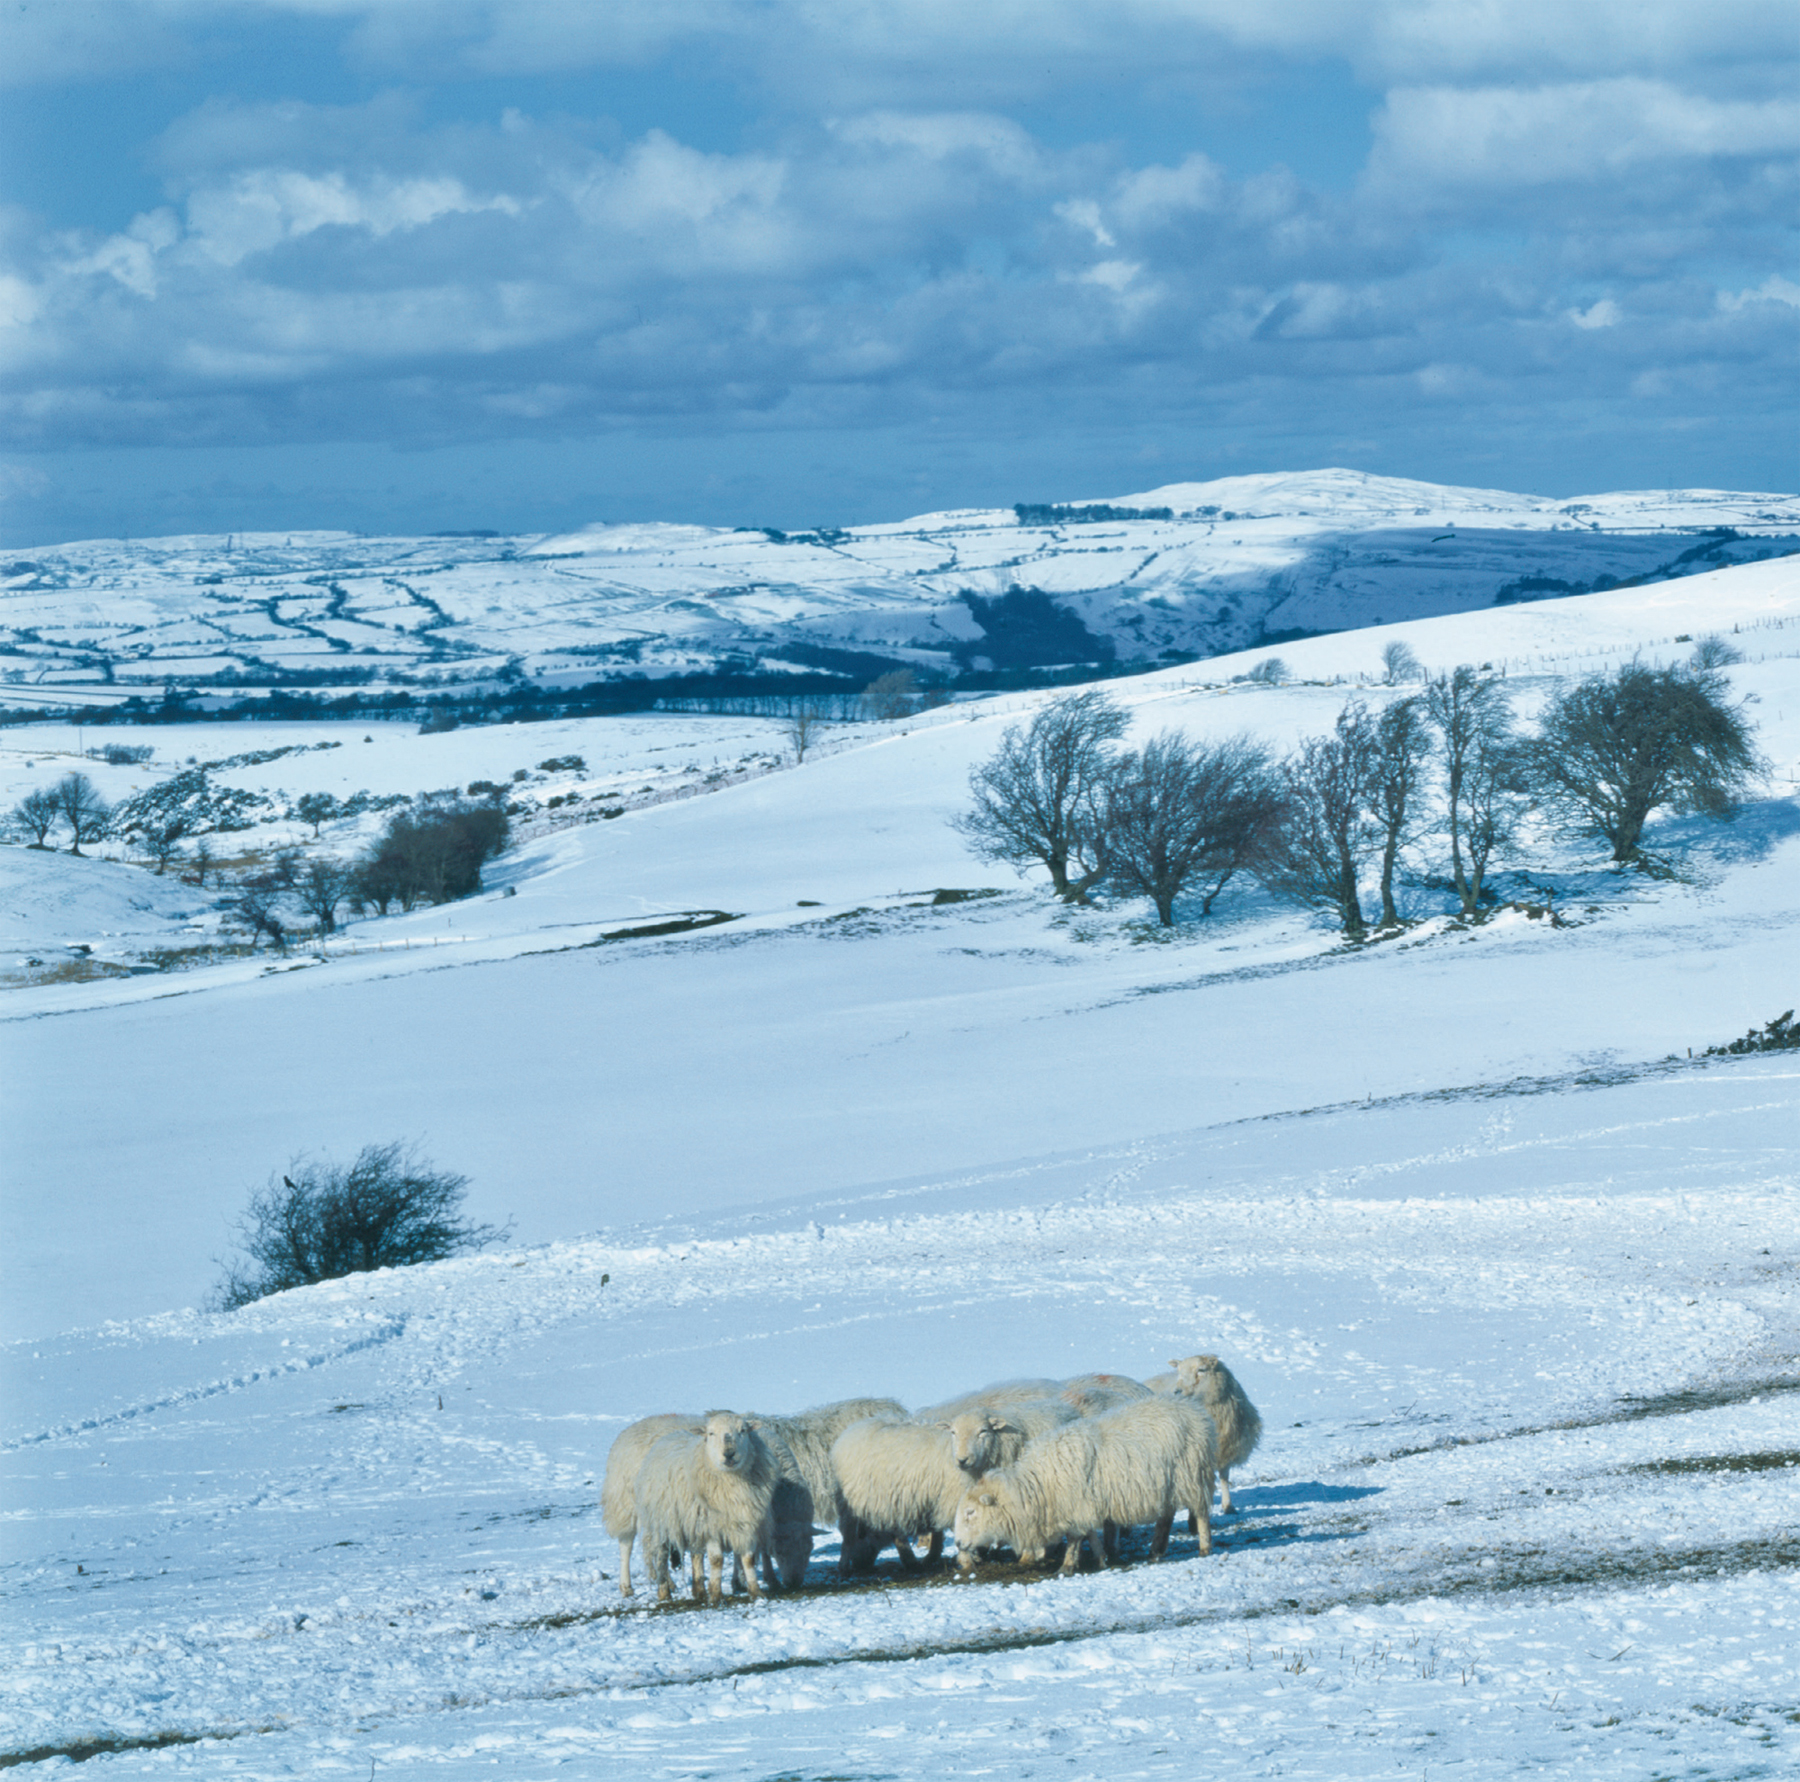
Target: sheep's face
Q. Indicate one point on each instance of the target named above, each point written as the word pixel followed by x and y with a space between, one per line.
pixel 729 1441
pixel 975 1440
pixel 981 1521
pixel 1197 1375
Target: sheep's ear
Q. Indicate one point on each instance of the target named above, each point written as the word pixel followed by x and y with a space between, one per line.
pixel 1004 1428
pixel 987 1497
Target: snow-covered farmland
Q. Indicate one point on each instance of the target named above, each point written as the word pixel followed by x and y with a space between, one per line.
pixel 1513 1281
pixel 1224 564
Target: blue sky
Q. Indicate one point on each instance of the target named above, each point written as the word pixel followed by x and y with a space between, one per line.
pixel 402 265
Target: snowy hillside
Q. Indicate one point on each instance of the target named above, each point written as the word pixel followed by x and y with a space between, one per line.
pixel 1512 1278
pixel 1234 563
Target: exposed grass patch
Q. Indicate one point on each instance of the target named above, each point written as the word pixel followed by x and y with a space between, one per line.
pixel 80 1750
pixel 1771 1461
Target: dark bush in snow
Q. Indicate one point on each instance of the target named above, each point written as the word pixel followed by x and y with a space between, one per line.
pixel 431 854
pixel 563 764
pixel 388 1209
pixel 1781 1035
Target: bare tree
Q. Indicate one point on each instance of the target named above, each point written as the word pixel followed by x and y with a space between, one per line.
pixel 82 808
pixel 1036 796
pixel 284 868
pixel 316 808
pixel 892 695
pixel 802 722
pixel 1396 780
pixel 1712 652
pixel 1327 834
pixel 1617 747
pixel 323 885
pixel 1270 672
pixel 201 860
pixel 1399 664
pixel 162 840
pixel 1496 795
pixel 321 1221
pixel 1181 812
pixel 256 903
pixel 1469 712
pixel 38 813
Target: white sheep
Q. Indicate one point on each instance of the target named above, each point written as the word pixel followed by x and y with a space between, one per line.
pixel 1208 1382
pixel 706 1492
pixel 618 1491
pixel 1139 1462
pixel 1091 1394
pixel 788 1537
pixel 991 1435
pixel 808 1437
pixel 1004 1392
pixel 901 1479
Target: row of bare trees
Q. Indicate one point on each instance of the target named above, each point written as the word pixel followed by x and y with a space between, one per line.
pixel 1181 818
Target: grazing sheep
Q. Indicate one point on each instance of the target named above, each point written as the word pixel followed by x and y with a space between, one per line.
pixel 808 1438
pixel 788 1538
pixel 902 1478
pixel 1137 1463
pixel 705 1491
pixel 1210 1383
pixel 618 1491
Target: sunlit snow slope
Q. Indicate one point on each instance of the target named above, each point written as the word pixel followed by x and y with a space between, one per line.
pixel 1512 1279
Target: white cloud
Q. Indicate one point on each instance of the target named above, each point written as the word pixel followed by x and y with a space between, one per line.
pixel 1774 289
pixel 906 49
pixel 262 207
pixel 1604 314
pixel 1435 137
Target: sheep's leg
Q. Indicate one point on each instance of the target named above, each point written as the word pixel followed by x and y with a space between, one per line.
pixel 747 1563
pixel 1110 1544
pixel 1200 1520
pixel 697 1572
pixel 715 1573
pixel 1159 1539
pixel 770 1580
pixel 909 1560
pixel 934 1554
pixel 1224 1491
pixel 854 1551
pixel 625 1563
pixel 659 1564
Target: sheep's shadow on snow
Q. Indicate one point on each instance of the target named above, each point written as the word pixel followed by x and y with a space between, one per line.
pixel 1287 1497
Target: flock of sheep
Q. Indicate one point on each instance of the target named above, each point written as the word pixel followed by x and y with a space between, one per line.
pixel 1028 1465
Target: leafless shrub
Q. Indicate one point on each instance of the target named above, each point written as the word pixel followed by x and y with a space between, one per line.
pixel 388 1209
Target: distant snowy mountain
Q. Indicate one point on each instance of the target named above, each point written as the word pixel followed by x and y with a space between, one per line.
pixel 1189 569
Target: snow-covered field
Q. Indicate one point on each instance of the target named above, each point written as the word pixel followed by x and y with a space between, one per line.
pixel 1513 1280
pixel 1237 560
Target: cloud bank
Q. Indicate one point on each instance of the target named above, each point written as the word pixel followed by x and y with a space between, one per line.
pixel 1563 208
